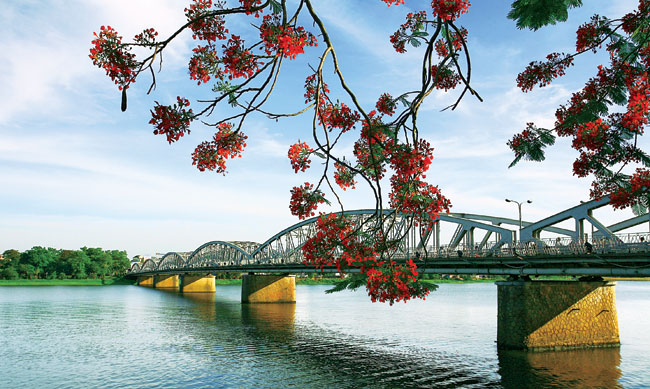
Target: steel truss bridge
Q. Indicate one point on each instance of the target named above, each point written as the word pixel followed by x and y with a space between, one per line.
pixel 479 244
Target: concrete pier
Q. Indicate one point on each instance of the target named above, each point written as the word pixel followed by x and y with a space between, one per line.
pixel 552 315
pixel 145 281
pixel 268 289
pixel 197 283
pixel 166 281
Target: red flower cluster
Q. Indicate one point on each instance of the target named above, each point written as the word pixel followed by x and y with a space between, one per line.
pixel 395 283
pixel 203 64
pixel 442 47
pixel 591 135
pixel 237 60
pixel 172 120
pixel 337 115
pixel 250 5
pixel 305 200
pixel 444 77
pixel 287 41
pixel 414 22
pixel 311 86
pixel 638 105
pixel 225 144
pixel 344 176
pixel 208 28
pixel 146 37
pixel 409 162
pixel 299 156
pixel 386 104
pixel 332 232
pixel 590 34
pixel 413 196
pixel 449 9
pixel 110 54
pixel 543 73
pixel 518 142
pixel 626 196
pixel 373 146
pixel 336 242
pixel 391 2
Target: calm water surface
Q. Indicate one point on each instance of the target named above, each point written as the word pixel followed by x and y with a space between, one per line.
pixel 128 336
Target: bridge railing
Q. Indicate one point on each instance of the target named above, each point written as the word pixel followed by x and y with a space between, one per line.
pixel 622 243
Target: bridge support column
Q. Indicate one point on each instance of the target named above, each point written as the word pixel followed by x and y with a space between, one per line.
pixel 268 289
pixel 544 315
pixel 165 281
pixel 197 284
pixel 145 281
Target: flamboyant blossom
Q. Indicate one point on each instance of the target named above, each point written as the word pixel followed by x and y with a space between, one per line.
pixel 173 121
pixel 542 73
pixel 285 40
pixel 237 60
pixel 344 176
pixel 299 156
pixel 225 144
pixel 449 9
pixel 305 200
pixel 205 24
pixel 110 54
pixel 386 104
pixel 337 116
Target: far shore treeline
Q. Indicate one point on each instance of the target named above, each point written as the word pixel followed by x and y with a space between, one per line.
pixel 49 263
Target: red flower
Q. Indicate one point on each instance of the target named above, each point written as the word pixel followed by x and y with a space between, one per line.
pixel 172 120
pixel 299 156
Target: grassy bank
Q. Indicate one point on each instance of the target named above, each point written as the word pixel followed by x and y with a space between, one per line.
pixel 68 282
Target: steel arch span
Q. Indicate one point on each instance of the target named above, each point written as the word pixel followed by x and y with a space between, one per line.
pixel 479 244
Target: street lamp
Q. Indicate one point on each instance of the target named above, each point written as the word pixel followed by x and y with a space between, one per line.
pixel 518 207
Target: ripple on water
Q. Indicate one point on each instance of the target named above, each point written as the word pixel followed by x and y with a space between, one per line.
pixel 129 336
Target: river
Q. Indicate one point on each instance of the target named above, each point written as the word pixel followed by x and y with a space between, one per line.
pixel 129 336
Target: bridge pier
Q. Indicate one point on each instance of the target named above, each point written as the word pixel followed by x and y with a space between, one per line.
pixel 165 281
pixel 257 288
pixel 145 281
pixel 551 315
pixel 197 283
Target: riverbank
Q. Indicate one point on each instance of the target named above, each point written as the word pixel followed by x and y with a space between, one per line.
pixel 69 282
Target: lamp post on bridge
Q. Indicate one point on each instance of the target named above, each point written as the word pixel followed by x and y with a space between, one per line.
pixel 519 208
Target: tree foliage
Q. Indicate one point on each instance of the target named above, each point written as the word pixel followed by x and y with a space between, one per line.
pixel 40 262
pixel 535 14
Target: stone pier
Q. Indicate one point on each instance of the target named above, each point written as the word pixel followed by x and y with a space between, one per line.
pixel 552 315
pixel 197 283
pixel 268 289
pixel 166 281
pixel 145 281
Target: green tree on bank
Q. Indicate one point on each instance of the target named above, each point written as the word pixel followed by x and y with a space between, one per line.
pixel 49 263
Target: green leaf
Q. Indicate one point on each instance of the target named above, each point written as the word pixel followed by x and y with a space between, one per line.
pixel 352 282
pixel 414 42
pixel 276 8
pixel 534 14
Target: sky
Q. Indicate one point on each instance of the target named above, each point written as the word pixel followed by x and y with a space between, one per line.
pixel 75 171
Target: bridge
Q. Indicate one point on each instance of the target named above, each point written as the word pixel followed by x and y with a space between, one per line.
pixel 474 244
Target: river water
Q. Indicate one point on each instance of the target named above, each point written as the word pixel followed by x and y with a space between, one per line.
pixel 129 336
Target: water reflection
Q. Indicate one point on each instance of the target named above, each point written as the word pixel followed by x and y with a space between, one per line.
pixel 275 319
pixel 596 368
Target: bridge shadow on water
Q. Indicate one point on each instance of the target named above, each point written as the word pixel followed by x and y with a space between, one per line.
pixel 269 339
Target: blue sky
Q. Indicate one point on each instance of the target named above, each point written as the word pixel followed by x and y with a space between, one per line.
pixel 75 171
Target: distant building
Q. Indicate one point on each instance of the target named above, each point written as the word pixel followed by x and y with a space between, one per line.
pixel 2 257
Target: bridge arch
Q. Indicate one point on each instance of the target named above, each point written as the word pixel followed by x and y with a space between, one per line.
pixel 149 265
pixel 220 253
pixel 171 260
